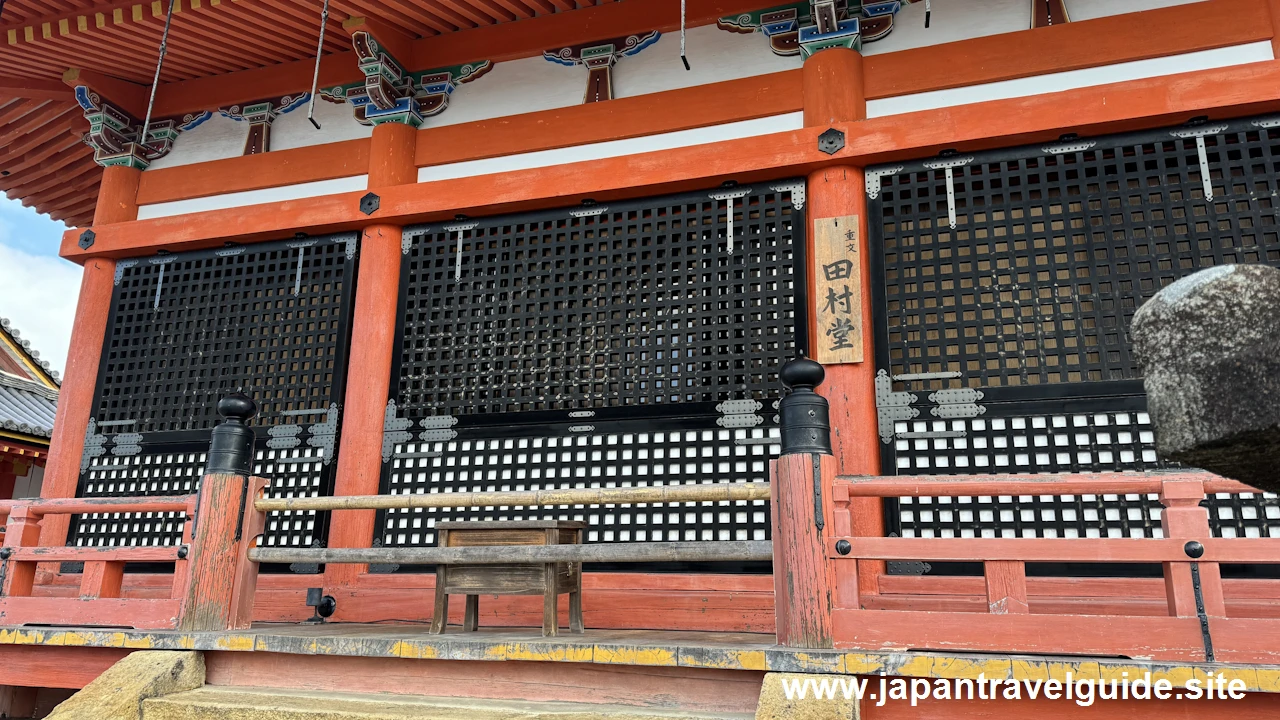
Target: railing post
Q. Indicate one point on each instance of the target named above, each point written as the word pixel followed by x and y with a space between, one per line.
pixel 1184 518
pixel 23 530
pixel 253 523
pixel 846 592
pixel 802 507
pixel 1006 582
pixel 209 603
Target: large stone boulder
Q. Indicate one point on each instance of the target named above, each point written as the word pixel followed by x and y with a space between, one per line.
pixel 1209 347
pixel 118 693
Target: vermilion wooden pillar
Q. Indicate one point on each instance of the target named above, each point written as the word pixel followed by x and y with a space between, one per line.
pixel 833 93
pixel 372 345
pixel 1275 27
pixel 117 202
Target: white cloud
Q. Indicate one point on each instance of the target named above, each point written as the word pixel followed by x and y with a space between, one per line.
pixel 38 294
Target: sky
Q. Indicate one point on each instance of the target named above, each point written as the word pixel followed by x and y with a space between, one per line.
pixel 38 289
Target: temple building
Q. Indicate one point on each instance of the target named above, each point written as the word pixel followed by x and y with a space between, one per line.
pixel 28 402
pixel 494 298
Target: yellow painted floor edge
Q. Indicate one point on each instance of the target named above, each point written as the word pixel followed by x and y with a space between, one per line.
pixel 637 651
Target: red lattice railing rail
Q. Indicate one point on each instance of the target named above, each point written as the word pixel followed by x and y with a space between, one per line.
pixel 197 561
pixel 1196 627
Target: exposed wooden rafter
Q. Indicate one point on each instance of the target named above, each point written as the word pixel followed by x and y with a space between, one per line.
pixel 32 89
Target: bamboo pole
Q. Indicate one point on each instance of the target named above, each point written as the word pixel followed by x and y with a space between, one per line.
pixel 533 498
pixel 709 551
pixel 1021 484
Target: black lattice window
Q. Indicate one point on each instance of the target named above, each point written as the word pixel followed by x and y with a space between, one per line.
pixel 1080 435
pixel 593 347
pixel 270 320
pixel 617 454
pixel 641 304
pixel 1028 299
pixel 176 472
pixel 188 328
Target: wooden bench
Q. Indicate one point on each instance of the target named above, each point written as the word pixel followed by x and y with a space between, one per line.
pixel 546 579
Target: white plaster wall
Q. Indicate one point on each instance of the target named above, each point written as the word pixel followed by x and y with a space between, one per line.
pixel 293 129
pixel 953 20
pixel 614 148
pixel 514 87
pixel 1089 9
pixel 714 55
pixel 221 137
pixel 216 138
pixel 254 197
pixel 1088 77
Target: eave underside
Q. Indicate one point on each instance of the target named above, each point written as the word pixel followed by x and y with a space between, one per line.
pixel 43 161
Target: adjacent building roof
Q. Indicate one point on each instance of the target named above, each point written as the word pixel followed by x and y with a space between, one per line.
pixel 18 358
pixel 28 388
pixel 26 407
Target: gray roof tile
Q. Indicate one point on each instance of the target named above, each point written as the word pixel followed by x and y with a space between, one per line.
pixel 26 407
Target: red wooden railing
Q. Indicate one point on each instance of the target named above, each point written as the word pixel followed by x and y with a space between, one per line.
pixel 822 600
pixel 1196 625
pixel 100 601
pixel 198 562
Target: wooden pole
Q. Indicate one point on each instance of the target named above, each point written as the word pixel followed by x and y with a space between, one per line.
pixel 708 551
pixel 1099 483
pixel 802 574
pixel 718 492
pixel 359 471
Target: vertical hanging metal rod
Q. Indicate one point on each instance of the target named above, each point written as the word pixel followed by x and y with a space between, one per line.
pixel 297 278
pixel 315 76
pixel 155 82
pixel 683 59
pixel 159 285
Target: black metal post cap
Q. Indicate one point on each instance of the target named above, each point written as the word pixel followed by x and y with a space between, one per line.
pixel 231 442
pixel 843 547
pixel 802 373
pixel 1193 549
pixel 237 408
pixel 804 414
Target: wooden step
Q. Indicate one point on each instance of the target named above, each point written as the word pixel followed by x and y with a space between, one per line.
pixel 232 703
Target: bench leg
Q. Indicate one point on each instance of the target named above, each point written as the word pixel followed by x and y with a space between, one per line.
pixel 440 616
pixel 575 604
pixel 550 598
pixel 471 618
